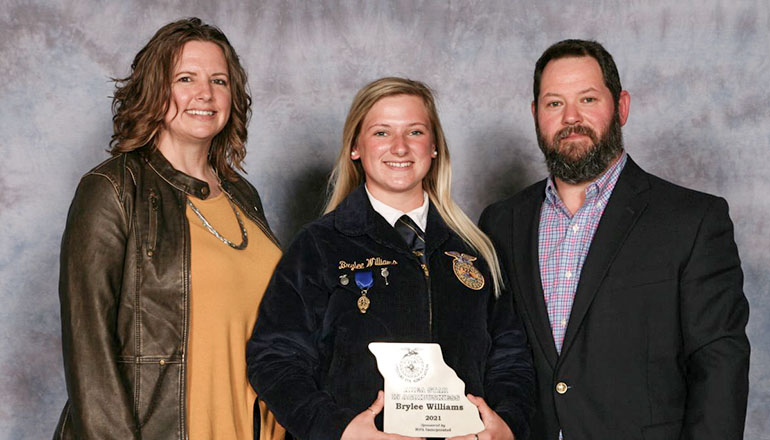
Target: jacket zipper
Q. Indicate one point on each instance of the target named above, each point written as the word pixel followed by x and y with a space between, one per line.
pixel 426 273
pixel 430 307
pixel 153 224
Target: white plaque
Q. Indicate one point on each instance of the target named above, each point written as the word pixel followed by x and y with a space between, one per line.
pixel 423 395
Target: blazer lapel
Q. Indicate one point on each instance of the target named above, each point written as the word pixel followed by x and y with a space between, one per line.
pixel 626 204
pixel 526 223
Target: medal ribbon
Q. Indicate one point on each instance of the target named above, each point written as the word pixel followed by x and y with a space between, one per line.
pixel 364 280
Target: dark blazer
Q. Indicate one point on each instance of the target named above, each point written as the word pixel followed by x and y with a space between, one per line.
pixel 656 346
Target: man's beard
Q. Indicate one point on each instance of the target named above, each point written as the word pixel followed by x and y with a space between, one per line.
pixel 575 163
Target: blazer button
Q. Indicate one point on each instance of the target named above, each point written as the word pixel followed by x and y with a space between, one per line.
pixel 561 387
pixel 162 362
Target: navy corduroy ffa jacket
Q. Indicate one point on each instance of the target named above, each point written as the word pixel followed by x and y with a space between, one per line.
pixel 308 357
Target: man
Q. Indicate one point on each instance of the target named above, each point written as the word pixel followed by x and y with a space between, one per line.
pixel 630 286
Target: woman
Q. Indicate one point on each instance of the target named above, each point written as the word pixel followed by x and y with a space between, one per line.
pixel 351 278
pixel 166 254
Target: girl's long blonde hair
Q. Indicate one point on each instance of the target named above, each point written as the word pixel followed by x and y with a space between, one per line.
pixel 348 174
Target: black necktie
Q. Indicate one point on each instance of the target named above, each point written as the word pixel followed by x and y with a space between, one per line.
pixel 414 238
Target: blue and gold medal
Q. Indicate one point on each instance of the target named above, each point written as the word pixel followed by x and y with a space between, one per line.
pixel 364 281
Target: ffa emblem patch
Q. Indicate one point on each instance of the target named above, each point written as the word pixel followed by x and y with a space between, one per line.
pixel 462 265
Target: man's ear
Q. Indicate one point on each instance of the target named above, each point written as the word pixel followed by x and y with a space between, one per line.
pixel 624 104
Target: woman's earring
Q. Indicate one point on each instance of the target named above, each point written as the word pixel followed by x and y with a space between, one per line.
pixel 434 154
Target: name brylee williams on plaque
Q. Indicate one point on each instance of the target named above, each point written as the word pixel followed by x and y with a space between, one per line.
pixel 427 393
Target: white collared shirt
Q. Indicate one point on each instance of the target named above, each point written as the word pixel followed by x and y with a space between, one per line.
pixel 391 215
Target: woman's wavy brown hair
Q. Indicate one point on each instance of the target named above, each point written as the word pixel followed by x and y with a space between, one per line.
pixel 142 99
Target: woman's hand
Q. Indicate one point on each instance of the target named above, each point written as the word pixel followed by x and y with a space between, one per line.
pixel 494 427
pixel 362 426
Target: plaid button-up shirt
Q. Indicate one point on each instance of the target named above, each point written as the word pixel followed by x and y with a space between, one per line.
pixel 563 242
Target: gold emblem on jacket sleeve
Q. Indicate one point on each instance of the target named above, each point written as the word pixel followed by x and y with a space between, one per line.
pixel 462 265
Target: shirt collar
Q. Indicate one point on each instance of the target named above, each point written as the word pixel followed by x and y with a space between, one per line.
pixel 599 188
pixel 391 215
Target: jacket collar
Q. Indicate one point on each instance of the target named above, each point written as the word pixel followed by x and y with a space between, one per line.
pixel 524 243
pixel 355 216
pixel 627 202
pixel 179 180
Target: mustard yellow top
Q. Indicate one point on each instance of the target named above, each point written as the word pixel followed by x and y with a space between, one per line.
pixel 226 288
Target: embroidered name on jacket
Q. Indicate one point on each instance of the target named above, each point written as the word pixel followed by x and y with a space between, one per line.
pixel 368 262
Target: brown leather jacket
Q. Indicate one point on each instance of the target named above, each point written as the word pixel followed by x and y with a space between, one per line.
pixel 123 287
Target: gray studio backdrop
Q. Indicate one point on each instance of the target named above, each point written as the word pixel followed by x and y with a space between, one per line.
pixel 697 72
